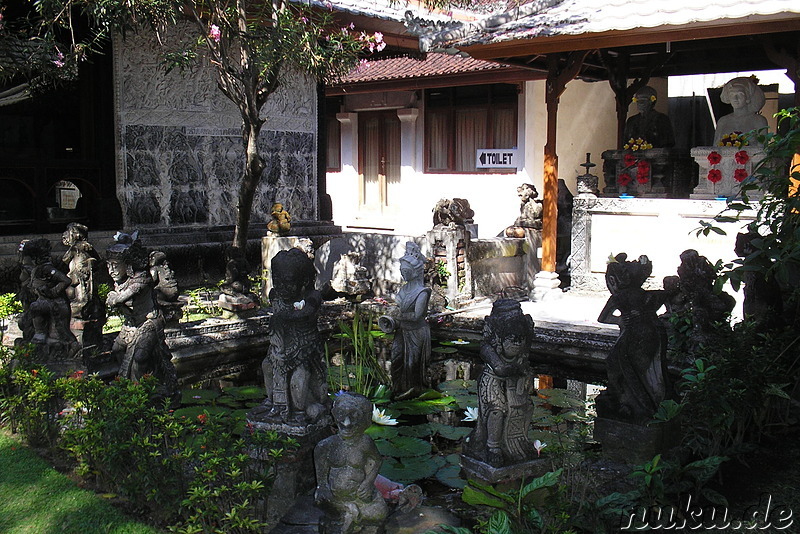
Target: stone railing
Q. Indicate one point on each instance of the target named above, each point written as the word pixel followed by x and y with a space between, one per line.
pixel 652 173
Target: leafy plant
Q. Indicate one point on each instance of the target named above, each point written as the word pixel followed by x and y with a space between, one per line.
pixel 358 370
pixel 9 305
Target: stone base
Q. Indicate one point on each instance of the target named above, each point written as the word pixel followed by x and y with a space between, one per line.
pixel 635 444
pixel 257 417
pixel 546 286
pixel 476 469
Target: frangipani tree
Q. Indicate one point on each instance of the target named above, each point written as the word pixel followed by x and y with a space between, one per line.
pixel 252 45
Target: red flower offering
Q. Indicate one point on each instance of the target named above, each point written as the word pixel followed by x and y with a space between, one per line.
pixel 643 169
pixel 642 179
pixel 741 157
pixel 714 158
pixel 714 176
pixel 629 160
pixel 740 174
pixel 624 179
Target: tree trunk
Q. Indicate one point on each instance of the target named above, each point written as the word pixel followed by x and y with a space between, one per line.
pixel 253 167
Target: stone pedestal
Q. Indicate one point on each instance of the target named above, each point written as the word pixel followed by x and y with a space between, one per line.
pixel 476 469
pixel 653 173
pixel 546 286
pixel 729 168
pixel 450 244
pixel 236 307
pixel 635 444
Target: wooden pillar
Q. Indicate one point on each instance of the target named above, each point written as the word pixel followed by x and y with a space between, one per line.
pixel 617 68
pixel 559 72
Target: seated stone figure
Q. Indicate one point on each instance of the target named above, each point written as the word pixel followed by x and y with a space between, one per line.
pixel 747 100
pixel 649 125
pixel 281 220
pixel 504 388
pixel 140 347
pixel 347 466
pixel 455 212
pixel 530 212
pixel 236 296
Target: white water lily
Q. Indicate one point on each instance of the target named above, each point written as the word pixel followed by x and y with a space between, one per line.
pixel 538 445
pixel 379 417
pixel 459 342
pixel 470 414
pixel 299 305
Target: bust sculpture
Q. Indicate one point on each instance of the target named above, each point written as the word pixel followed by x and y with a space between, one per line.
pixel 636 364
pixel 346 466
pixel 530 211
pixel 500 437
pixel 140 347
pixel 747 100
pixel 649 125
pixel 411 349
pixel 294 369
pixel 46 311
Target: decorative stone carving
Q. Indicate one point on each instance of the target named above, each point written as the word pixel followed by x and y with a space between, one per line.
pixel 294 369
pixel 456 212
pixel 140 347
pixel 649 125
pixel 46 312
pixel 587 182
pixel 165 288
pixel 281 220
pixel 654 173
pixel 500 437
pixel 636 365
pixel 723 169
pixel 747 99
pixel 87 310
pixel 411 350
pixel 347 465
pixel 530 212
pixel 697 277
pixel 349 276
pixel 236 297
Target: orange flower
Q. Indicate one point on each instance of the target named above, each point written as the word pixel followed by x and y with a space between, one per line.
pixel 202 418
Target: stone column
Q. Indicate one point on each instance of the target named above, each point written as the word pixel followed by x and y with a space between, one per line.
pixel 450 243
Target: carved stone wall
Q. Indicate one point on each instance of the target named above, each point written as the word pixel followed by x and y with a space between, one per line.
pixel 180 154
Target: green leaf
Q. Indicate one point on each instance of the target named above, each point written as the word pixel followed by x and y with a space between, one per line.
pixel 190 397
pixel 778 391
pixel 444 350
pixel 450 476
pixel 418 431
pixel 382 431
pixel 475 497
pixel 499 523
pixel 246 392
pixel 714 497
pixel 454 385
pixel 545 481
pixel 407 470
pixel 403 447
pixel 191 412
pixel 451 432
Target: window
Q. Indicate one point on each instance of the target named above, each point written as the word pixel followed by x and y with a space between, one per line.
pixel 333 135
pixel 460 120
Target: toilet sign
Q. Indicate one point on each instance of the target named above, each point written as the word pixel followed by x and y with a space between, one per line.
pixel 494 158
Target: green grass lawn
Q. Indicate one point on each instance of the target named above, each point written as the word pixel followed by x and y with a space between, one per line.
pixel 35 498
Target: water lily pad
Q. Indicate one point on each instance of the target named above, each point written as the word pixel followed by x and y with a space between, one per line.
pixel 381 432
pixel 452 386
pixel 454 459
pixel 407 470
pixel 451 432
pixel 403 447
pixel 444 350
pixel 450 475
pixel 230 402
pixel 418 431
pixel 197 396
pixel 246 392
pixel 191 412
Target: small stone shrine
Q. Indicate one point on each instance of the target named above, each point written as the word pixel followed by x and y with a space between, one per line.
pixel 499 447
pixel 45 318
pixel 236 299
pixel 449 240
pixel 346 466
pixel 734 155
pixel 140 347
pixel 295 375
pixel 165 288
pixel 87 310
pixel 636 366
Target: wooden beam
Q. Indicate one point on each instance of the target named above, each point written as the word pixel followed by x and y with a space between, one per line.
pixel 638 36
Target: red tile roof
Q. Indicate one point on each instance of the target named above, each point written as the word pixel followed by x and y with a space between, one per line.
pixel 405 67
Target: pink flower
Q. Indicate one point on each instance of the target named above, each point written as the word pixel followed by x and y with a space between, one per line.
pixel 714 175
pixel 741 157
pixel 304 20
pixel 714 158
pixel 214 33
pixel 59 61
pixel 740 174
pixel 624 179
pixel 378 37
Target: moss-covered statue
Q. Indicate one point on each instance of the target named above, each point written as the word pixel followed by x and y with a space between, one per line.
pixel 504 388
pixel 140 347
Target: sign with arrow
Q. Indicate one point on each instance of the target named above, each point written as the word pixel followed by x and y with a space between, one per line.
pixel 496 158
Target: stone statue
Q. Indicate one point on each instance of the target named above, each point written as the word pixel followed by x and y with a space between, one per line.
pixel 46 311
pixel 697 277
pixel 347 465
pixel 636 364
pixel 294 369
pixel 82 260
pixel 236 296
pixel 530 211
pixel 349 276
pixel 456 212
pixel 747 99
pixel 165 287
pixel 505 386
pixel 649 125
pixel 411 350
pixel 140 347
pixel 281 220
